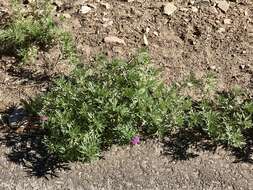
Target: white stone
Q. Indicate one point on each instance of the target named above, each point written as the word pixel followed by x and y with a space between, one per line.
pixel 66 15
pixel 85 9
pixel 223 5
pixel 156 33
pixel 194 9
pixel 145 39
pixel 114 39
pixel 108 23
pixel 221 30
pixel 227 21
pixel 169 8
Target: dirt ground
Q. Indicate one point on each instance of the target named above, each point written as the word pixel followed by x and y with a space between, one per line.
pixel 199 36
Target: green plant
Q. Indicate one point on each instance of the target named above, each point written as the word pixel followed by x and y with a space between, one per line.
pixel 225 116
pixel 33 29
pixel 112 102
pixel 106 103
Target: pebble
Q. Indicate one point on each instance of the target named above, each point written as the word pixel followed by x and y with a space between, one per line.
pixel 16 116
pixel 85 9
pixel 246 13
pixel 145 39
pixel 66 15
pixel 194 9
pixel 227 21
pixel 156 33
pixel 242 67
pixel 213 67
pixel 213 10
pixel 184 9
pixel 147 30
pixel 169 8
pixel 221 30
pixel 114 39
pixel 1 119
pixel 108 23
pixel 223 5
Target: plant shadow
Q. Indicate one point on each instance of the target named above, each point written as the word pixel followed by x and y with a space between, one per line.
pixel 245 154
pixel 28 75
pixel 27 149
pixel 187 143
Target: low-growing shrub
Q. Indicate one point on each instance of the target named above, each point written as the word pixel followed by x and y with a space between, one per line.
pixel 224 118
pixel 113 102
pixel 32 29
pixel 106 103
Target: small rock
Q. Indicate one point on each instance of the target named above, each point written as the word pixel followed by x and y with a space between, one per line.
pixel 221 30
pixel 186 20
pixel 2 119
pixel 114 39
pixel 147 30
pixel 213 67
pixel 169 8
pixel 105 19
pixel 85 9
pixel 184 9
pixel 227 21
pixel 145 39
pixel 108 23
pixel 213 10
pixel 156 33
pixel 246 13
pixel 66 15
pixel 223 5
pixel 16 116
pixel 242 67
pixel 194 9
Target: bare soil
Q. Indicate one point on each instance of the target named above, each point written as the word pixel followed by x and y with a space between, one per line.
pixel 198 37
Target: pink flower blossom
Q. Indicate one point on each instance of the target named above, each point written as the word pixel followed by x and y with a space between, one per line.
pixel 135 140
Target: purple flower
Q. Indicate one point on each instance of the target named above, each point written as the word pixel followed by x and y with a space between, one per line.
pixel 135 140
